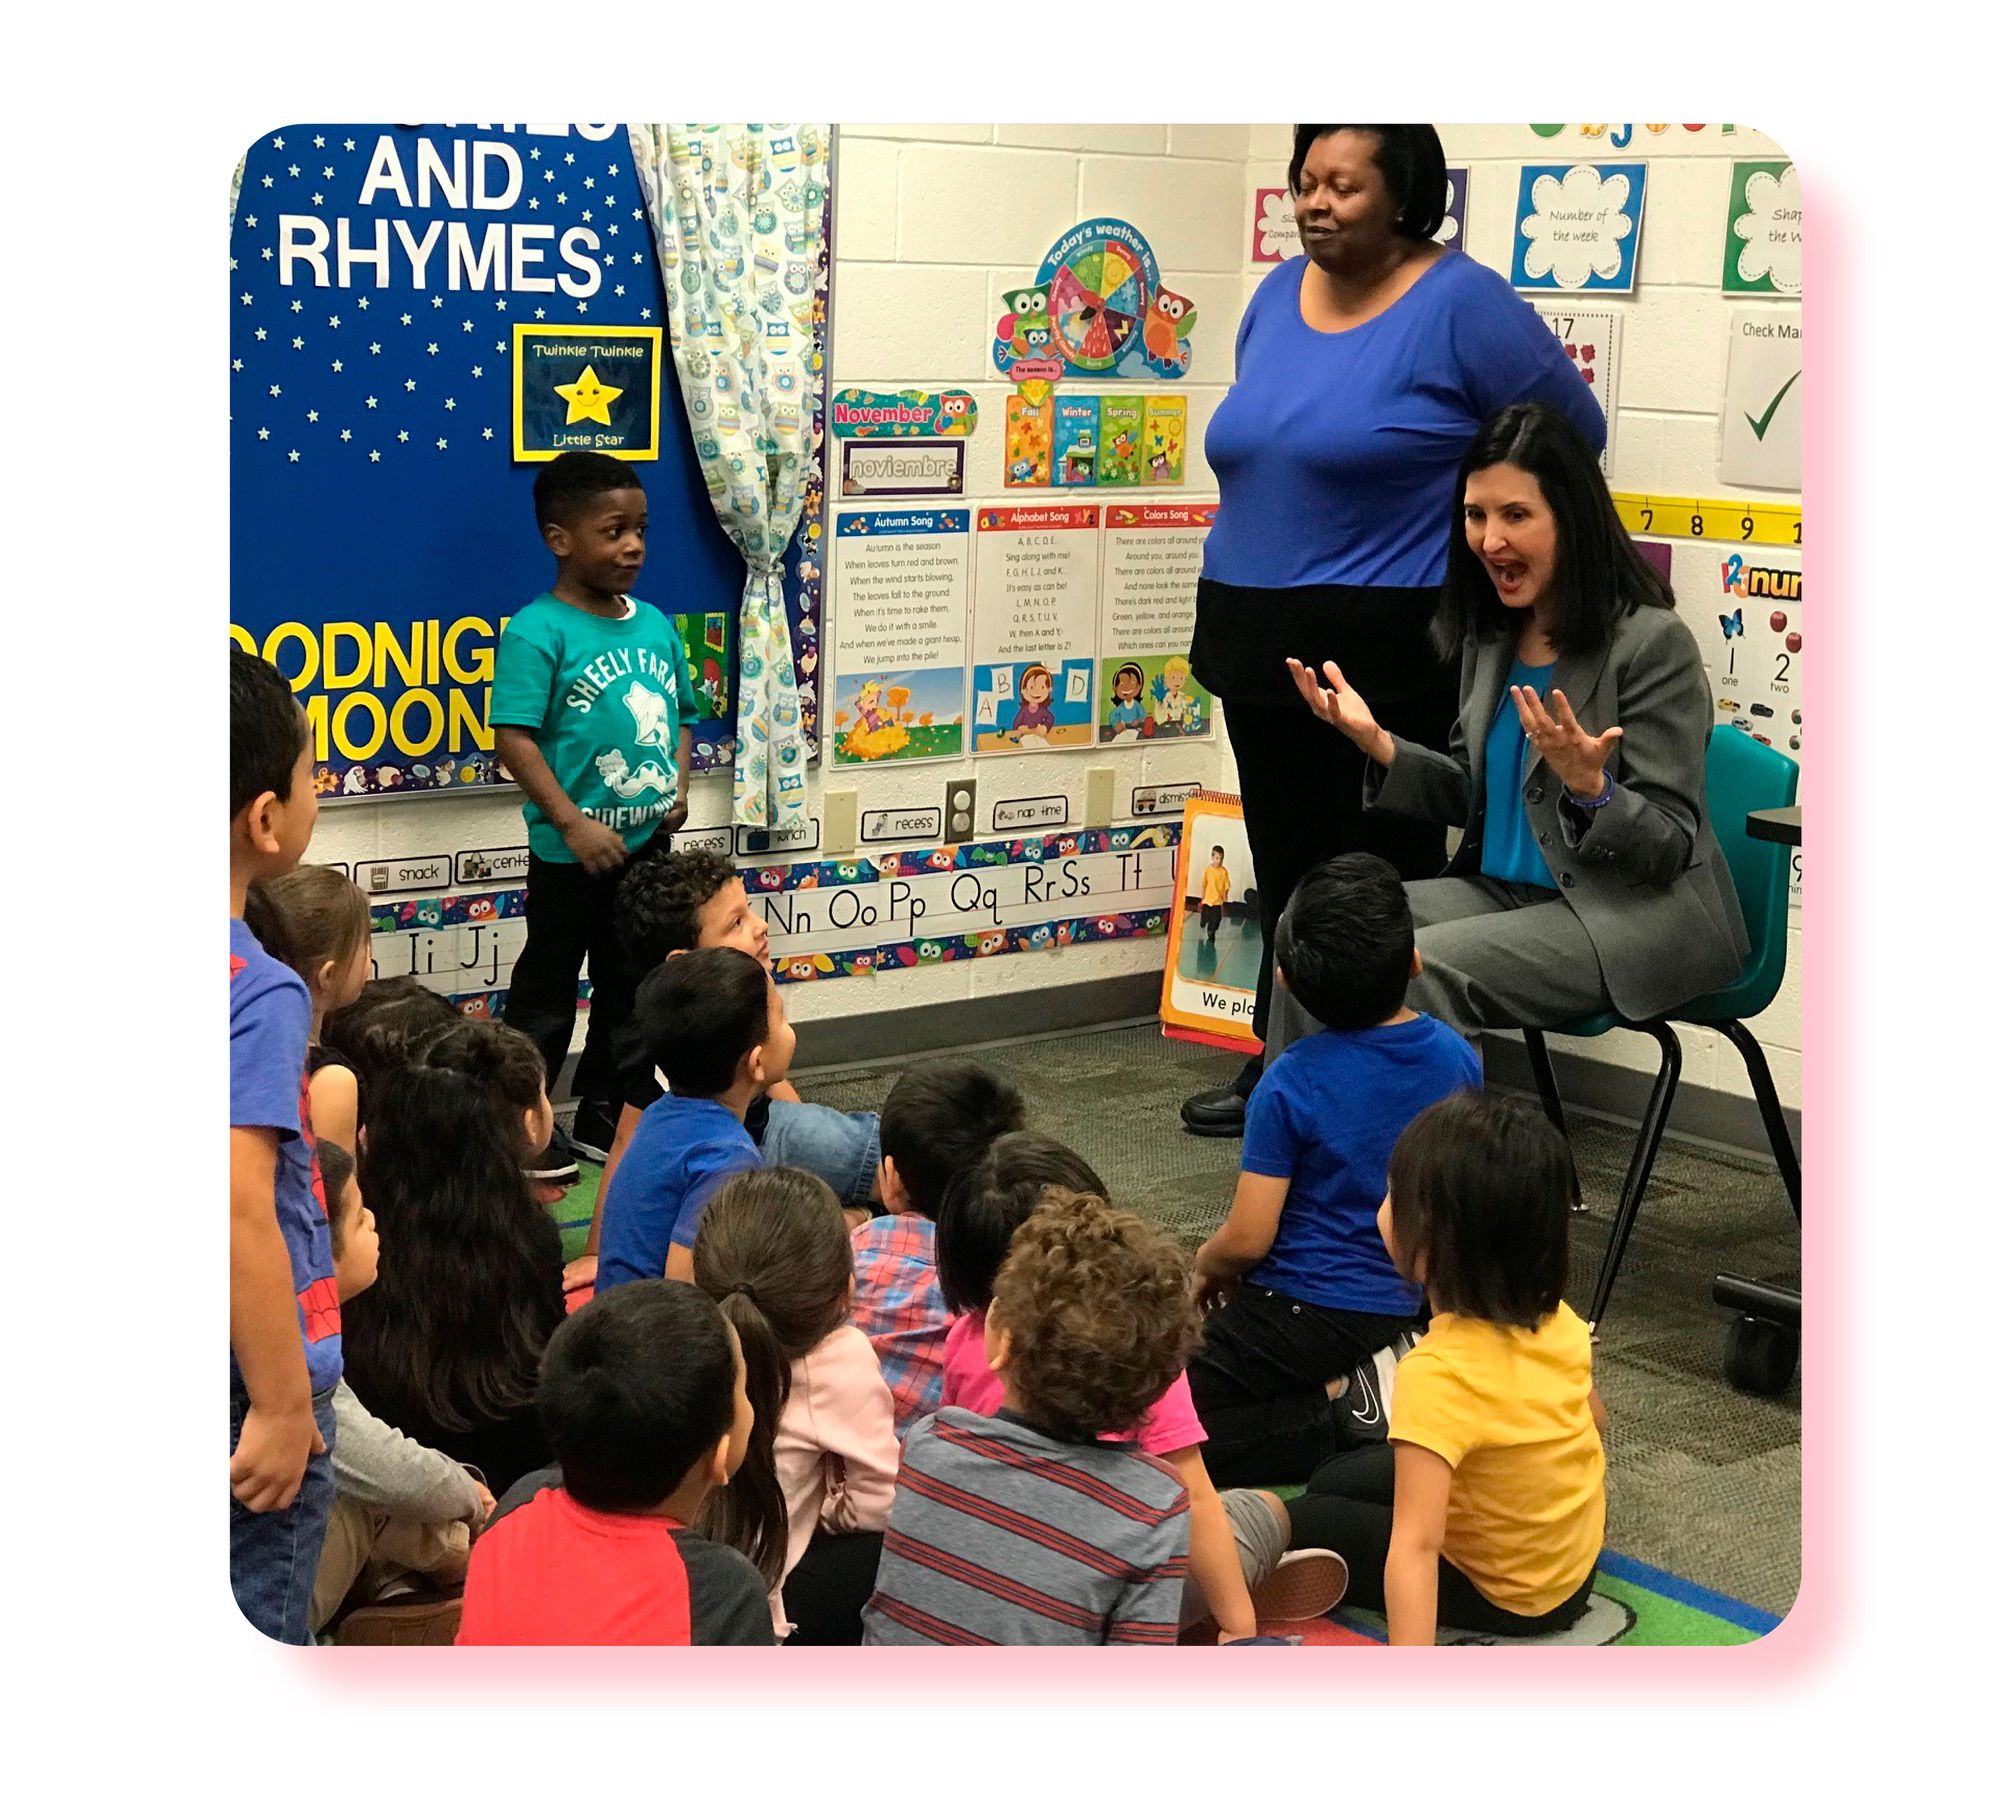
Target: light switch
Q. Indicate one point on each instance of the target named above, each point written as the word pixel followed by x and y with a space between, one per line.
pixel 1098 784
pixel 840 820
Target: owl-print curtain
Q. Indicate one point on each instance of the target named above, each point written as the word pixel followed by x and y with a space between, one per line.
pixel 731 207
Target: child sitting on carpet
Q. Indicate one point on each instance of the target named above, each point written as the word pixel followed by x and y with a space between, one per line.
pixel 939 1118
pixel 643 1397
pixel 715 1023
pixel 1229 1555
pixel 386 1029
pixel 316 920
pixel 1032 1526
pixel 688 900
pixel 1306 1311
pixel 820 1470
pixel 1495 1460
pixel 399 1508
pixel 447 1344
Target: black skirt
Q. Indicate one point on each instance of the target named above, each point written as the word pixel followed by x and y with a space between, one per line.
pixel 1379 636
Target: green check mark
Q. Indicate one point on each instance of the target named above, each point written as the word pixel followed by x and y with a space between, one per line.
pixel 1759 425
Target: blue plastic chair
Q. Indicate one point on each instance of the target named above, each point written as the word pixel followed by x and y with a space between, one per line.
pixel 1744 776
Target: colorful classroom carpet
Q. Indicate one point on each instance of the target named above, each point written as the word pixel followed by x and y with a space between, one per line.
pixel 1632 1604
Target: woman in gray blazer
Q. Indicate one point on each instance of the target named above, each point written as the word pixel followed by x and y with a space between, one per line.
pixel 1588 878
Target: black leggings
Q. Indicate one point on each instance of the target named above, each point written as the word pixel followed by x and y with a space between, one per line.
pixel 825 1593
pixel 1347 1509
pixel 1301 786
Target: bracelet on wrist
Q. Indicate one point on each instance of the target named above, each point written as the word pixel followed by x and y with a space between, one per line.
pixel 1603 799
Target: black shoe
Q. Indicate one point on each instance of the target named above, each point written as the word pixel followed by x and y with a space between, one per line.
pixel 1216 1114
pixel 1361 1413
pixel 554 1164
pixel 593 1129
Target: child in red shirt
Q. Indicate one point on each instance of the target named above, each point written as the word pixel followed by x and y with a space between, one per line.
pixel 642 1396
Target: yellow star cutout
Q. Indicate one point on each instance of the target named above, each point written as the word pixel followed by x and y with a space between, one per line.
pixel 588 400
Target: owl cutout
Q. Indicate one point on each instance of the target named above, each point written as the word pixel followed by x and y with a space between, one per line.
pixel 1168 320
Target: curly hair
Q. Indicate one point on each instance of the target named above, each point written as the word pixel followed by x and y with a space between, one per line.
pixel 1096 1306
pixel 657 907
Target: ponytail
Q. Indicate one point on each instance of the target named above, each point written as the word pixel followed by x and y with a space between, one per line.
pixel 773 1252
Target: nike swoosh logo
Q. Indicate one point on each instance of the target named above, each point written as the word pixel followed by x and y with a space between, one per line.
pixel 1757 425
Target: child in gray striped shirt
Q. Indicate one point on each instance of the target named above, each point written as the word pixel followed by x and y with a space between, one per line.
pixel 1027 1527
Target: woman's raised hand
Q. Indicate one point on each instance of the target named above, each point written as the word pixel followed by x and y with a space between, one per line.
pixel 1343 708
pixel 1576 756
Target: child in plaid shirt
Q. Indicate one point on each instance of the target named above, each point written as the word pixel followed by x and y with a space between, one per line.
pixel 936 1122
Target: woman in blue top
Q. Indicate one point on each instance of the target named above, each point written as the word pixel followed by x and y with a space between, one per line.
pixel 1589 878
pixel 1363 370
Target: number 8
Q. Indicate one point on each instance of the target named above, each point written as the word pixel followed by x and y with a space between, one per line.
pixel 1694 523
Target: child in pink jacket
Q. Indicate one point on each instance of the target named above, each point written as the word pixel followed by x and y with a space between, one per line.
pixel 811 1500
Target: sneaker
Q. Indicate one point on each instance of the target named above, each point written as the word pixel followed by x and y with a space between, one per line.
pixel 593 1128
pixel 1361 1413
pixel 1305 1584
pixel 418 1618
pixel 554 1165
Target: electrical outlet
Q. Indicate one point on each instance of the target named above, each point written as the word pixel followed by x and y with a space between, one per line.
pixel 1098 785
pixel 840 820
pixel 959 799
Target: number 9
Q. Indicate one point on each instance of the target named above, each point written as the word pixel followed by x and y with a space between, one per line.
pixel 1749 527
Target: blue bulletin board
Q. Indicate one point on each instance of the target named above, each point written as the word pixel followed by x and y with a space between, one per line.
pixel 389 288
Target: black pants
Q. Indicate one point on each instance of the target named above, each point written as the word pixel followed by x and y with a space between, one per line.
pixel 1347 1510
pixel 569 919
pixel 1211 920
pixel 1301 786
pixel 824 1595
pixel 1259 1383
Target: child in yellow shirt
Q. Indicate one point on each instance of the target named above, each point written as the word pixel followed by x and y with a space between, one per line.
pixel 1214 892
pixel 1494 1465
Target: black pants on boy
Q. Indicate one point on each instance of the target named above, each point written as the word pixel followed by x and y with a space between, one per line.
pixel 569 919
pixel 1301 786
pixel 824 1595
pixel 1347 1509
pixel 1259 1383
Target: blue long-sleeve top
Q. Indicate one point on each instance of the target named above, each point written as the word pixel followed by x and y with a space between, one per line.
pixel 1337 454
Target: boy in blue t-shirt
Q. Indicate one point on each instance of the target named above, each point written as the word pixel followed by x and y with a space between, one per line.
pixel 1308 1313
pixel 592 710
pixel 713 1020
pixel 284 1308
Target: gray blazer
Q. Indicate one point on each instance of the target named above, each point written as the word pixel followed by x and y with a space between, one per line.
pixel 1643 873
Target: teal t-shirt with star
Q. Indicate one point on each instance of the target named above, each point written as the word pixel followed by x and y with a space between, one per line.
pixel 605 698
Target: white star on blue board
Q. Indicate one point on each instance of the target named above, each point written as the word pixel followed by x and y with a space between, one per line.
pixel 374 346
pixel 612 229
pixel 560 198
pixel 333 321
pixel 277 144
pixel 645 314
pixel 294 453
pixel 361 302
pixel 500 303
pixel 638 214
pixel 312 415
pixel 347 434
pixel 293 170
pixel 466 325
pixel 539 313
pixel 267 182
pixel 277 391
pixel 534 201
pixel 406 321
pixel 432 347
pixel 246 299
pixel 298 343
pixel 336 365
pixel 268 253
pixel 499 346
pixel 569 157
pixel 298 308
pixel 618 290
pixel 586 214
pixel 611 170
pixel 318 199
pixel 590 182
pixel 236 365
pixel 328 171
pixel 319 144
pixel 249 220
pixel 437 302
pixel 402 434
pixel 479 371
pixel 371 402
pixel 548 176
pixel 373 455
pixel 535 153
pixel 451 403
pixel 487 433
pixel 347 144
pixel 583 308
pixel 409 384
pixel 260 333
pixel 263 434
pixel 440 443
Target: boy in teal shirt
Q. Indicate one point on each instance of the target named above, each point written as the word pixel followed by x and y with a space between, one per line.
pixel 592 708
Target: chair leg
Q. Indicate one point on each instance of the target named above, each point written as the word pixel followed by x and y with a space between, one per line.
pixel 1651 1130
pixel 1552 1102
pixel 1768 1106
